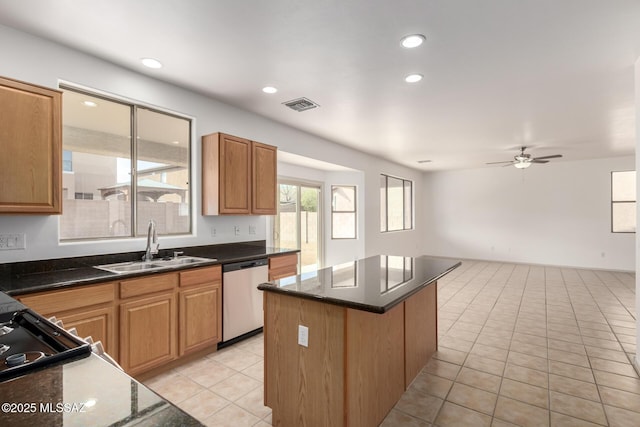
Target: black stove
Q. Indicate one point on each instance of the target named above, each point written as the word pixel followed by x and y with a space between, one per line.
pixel 28 341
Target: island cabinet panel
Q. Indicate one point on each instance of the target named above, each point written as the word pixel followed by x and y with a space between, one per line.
pixel 304 384
pixel 148 332
pixel 420 316
pixel 31 141
pixel 375 360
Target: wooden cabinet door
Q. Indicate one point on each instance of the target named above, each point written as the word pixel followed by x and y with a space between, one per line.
pixel 97 323
pixel 283 266
pixel 235 175
pixel 147 332
pixel 264 164
pixel 200 318
pixel 31 141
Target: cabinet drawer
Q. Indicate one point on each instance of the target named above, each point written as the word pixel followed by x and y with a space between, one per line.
pixel 199 276
pixel 148 284
pixel 55 302
pixel 283 262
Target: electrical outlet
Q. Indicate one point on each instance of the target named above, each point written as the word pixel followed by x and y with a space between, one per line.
pixel 213 232
pixel 303 336
pixel 252 229
pixel 12 241
pixel 236 229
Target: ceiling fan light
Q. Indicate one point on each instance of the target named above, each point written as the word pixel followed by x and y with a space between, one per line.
pixel 522 165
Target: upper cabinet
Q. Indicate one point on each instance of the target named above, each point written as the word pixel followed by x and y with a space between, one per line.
pixel 239 176
pixel 264 161
pixel 31 141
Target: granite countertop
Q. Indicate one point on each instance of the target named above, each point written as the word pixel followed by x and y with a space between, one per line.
pixel 34 276
pixel 9 305
pixel 92 393
pixel 374 284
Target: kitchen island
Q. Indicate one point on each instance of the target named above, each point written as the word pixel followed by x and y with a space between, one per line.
pixel 343 343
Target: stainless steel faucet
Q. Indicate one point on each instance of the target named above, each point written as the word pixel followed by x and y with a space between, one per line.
pixel 152 242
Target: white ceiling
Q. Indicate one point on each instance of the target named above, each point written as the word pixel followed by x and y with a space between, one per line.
pixel 556 75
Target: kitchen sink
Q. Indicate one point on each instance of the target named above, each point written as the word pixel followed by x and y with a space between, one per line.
pixel 158 264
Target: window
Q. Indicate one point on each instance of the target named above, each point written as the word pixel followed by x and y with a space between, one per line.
pixel 84 196
pixel 298 223
pixel 125 165
pixel 623 202
pixel 396 203
pixel 67 163
pixel 343 212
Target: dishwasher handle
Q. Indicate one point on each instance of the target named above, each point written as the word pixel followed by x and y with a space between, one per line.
pixel 226 268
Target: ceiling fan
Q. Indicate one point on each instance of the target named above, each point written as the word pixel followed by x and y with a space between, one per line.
pixel 523 161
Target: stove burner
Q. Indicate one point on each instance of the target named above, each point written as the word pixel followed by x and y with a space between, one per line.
pixel 30 342
pixel 22 358
pixel 4 330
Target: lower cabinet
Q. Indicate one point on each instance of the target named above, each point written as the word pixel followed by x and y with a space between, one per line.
pixel 200 308
pixel 90 309
pixel 143 322
pixel 97 323
pixel 147 332
pixel 199 312
pixel 283 266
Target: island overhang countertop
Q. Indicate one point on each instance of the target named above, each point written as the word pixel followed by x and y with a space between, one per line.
pixel 375 284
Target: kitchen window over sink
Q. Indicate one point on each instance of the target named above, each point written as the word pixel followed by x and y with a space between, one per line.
pixel 129 162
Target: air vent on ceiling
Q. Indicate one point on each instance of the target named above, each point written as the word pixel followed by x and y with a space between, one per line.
pixel 301 104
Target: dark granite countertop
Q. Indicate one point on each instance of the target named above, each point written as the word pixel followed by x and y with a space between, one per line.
pixel 8 305
pixel 92 393
pixel 34 276
pixel 374 284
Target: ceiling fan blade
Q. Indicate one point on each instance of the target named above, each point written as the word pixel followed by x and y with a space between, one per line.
pixel 555 156
pixel 497 163
pixel 539 161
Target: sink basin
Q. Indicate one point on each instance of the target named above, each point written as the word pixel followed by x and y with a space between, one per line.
pixel 187 260
pixel 159 264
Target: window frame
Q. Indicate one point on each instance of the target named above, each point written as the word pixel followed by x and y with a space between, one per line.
pixel 384 210
pixel 614 202
pixel 354 212
pixel 134 105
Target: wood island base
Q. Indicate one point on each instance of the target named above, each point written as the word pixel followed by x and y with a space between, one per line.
pixel 357 364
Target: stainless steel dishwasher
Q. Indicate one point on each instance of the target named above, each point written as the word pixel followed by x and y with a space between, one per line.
pixel 241 299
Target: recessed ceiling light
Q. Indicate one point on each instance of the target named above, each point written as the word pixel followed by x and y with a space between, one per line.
pixel 89 104
pixel 151 63
pixel 413 78
pixel 269 89
pixel 175 142
pixel 413 40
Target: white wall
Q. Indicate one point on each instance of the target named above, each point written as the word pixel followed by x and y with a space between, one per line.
pixel 557 214
pixel 32 59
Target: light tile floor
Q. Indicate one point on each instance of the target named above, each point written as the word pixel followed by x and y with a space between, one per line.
pixel 519 345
